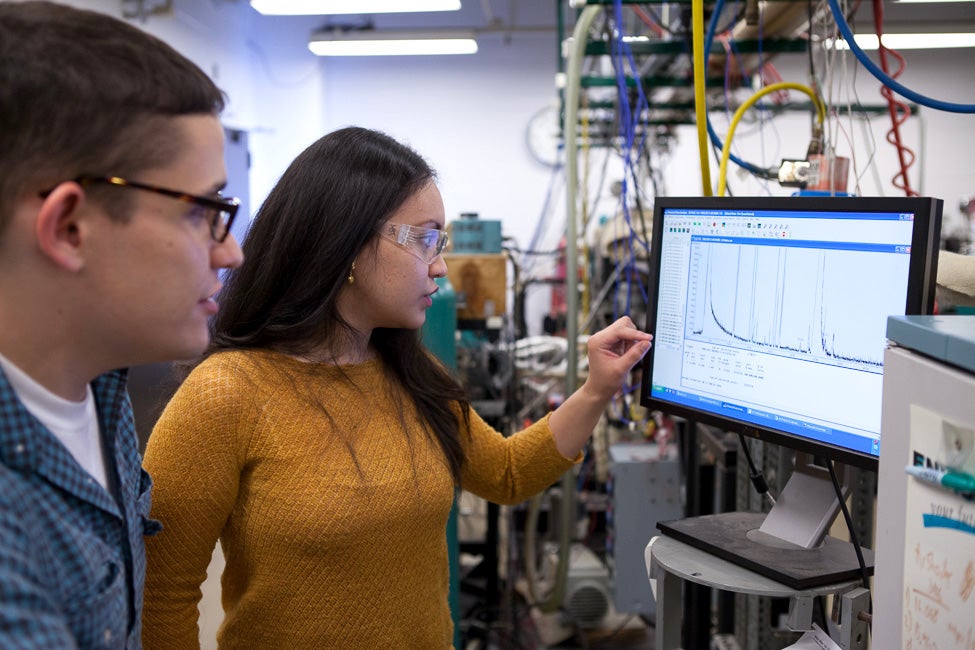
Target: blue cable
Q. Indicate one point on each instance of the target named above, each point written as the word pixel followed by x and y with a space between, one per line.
pixel 628 123
pixel 543 218
pixel 708 42
pixel 883 77
pixel 628 120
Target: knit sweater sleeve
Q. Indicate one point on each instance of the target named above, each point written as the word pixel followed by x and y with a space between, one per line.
pixel 195 455
pixel 510 470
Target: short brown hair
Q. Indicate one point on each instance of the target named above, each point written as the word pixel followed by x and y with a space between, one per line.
pixel 83 93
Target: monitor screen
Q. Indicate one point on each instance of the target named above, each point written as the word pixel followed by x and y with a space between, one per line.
pixel 769 313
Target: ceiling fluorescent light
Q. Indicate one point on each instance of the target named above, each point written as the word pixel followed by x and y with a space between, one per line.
pixel 911 41
pixel 334 7
pixel 391 43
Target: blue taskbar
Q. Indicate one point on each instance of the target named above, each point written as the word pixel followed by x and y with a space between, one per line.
pixel 760 418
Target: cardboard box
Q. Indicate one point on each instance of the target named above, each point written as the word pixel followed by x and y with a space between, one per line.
pixel 480 281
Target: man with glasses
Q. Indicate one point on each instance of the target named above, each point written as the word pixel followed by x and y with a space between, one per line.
pixel 112 234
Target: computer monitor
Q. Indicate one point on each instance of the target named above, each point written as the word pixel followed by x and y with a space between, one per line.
pixel 769 320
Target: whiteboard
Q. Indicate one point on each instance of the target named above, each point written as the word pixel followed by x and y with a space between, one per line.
pixel 924 585
pixel 939 550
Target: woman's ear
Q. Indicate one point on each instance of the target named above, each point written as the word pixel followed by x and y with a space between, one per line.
pixel 59 229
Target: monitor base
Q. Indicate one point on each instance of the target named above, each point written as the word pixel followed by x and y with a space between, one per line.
pixel 734 536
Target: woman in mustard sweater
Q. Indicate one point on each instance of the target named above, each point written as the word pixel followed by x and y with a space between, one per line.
pixel 319 441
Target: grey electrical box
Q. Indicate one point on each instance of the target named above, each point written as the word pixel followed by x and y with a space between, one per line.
pixel 644 487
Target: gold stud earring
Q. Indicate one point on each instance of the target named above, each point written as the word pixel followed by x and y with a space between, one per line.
pixel 351 271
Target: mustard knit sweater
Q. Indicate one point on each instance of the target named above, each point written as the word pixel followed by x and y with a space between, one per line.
pixel 332 524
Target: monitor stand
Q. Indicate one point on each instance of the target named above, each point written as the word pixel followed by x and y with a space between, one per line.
pixel 789 544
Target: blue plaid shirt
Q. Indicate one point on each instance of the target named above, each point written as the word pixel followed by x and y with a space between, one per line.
pixel 72 560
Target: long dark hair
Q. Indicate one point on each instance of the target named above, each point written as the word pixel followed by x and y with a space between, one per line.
pixel 326 207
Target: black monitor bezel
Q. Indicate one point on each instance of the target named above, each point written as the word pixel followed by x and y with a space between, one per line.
pixel 920 296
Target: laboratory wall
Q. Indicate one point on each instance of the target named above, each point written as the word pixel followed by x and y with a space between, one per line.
pixel 469 115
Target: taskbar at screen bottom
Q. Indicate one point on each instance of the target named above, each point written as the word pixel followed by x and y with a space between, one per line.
pixel 814 433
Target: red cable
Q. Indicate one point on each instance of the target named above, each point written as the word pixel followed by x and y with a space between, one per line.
pixel 648 20
pixel 899 111
pixel 770 75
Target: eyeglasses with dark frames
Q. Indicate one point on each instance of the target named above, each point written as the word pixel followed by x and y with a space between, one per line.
pixel 219 211
pixel 424 243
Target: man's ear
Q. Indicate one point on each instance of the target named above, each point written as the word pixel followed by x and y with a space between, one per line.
pixel 59 228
